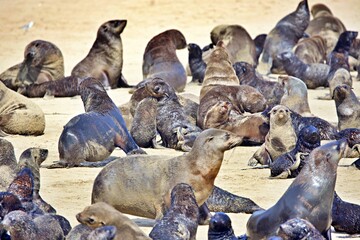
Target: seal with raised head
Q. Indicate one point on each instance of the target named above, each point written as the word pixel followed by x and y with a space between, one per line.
pixel 105 58
pixel 310 196
pixel 181 219
pixel 92 136
pixel 196 63
pixel 238 43
pixel 198 168
pixel 43 62
pixel 297 229
pixel 19 115
pixel 160 59
pixel 101 213
pixel 220 227
pixel 283 37
pixel 311 50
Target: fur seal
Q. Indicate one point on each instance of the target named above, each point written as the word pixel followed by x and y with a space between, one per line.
pixel 101 213
pixel 196 63
pixel 19 115
pixel 310 196
pixel 283 37
pixel 295 95
pixel 297 229
pixel 311 50
pixel 204 159
pixel 160 59
pixel 272 91
pixel 181 219
pixel 280 139
pixel 9 202
pixel 79 232
pixel 78 144
pixel 8 164
pixel 43 62
pixel 345 216
pixel 259 41
pixel 105 58
pixel 220 227
pixel 103 233
pixel 352 135
pixel 238 43
pixel 347 107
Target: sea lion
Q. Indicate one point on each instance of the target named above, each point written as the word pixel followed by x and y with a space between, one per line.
pixel 103 233
pixel 220 227
pixel 283 37
pixel 78 144
pixel 288 165
pixel 280 139
pixel 295 95
pixel 21 226
pixel 196 63
pixel 105 58
pixel 272 91
pixel 310 196
pixel 347 107
pixel 181 219
pixel 8 164
pixel 259 41
pixel 238 43
pixel 345 216
pixel 101 213
pixel 311 50
pixel 43 62
pixel 19 115
pixel 160 59
pixel 204 159
pixel 297 229
pixel 343 45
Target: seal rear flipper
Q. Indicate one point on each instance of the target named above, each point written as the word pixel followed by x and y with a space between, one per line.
pixel 59 164
pixel 122 83
pixel 97 164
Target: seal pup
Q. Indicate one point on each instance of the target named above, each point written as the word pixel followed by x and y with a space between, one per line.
pixel 198 168
pixel 19 115
pixel 283 37
pixel 280 139
pixel 160 59
pixel 79 232
pixel 310 196
pixel 297 229
pixel 238 43
pixel 92 136
pixel 181 219
pixel 196 63
pixel 311 50
pixel 345 216
pixel 43 62
pixel 105 58
pixel 220 227
pixel 103 233
pixel 347 107
pixel 101 213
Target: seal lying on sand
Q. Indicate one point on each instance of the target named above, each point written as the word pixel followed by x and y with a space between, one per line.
pixel 198 168
pixel 181 219
pixel 93 135
pixel 297 228
pixel 43 62
pixel 310 196
pixel 105 58
pixel 220 227
pixel 311 50
pixel 345 216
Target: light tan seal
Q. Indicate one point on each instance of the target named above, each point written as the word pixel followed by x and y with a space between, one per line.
pixel 145 182
pixel 8 164
pixel 102 214
pixel 105 59
pixel 19 115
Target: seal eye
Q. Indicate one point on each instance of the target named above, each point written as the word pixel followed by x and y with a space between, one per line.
pixel 243 69
pixel 157 89
pixel 91 221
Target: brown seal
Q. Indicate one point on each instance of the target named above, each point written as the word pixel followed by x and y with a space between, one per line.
pixel 8 164
pixel 105 58
pixel 238 43
pixel 295 95
pixel 93 135
pixel 103 233
pixel 181 219
pixel 220 227
pixel 280 139
pixel 100 214
pixel 198 168
pixel 283 37
pixel 310 196
pixel 160 59
pixel 259 41
pixel 311 50
pixel 297 228
pixel 43 62
pixel 19 115
pixel 347 107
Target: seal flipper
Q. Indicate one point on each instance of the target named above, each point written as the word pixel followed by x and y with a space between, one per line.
pixel 204 214
pixel 122 83
pixel 97 164
pixel 260 156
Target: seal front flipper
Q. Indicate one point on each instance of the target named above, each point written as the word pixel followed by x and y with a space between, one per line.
pixel 260 156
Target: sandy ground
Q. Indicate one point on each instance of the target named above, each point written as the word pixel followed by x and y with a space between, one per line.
pixel 72 26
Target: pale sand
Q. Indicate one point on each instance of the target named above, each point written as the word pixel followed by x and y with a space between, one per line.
pixel 72 26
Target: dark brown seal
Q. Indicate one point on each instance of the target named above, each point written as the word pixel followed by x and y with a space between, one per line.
pixel 196 63
pixel 347 107
pixel 181 219
pixel 105 58
pixel 100 214
pixel 43 62
pixel 238 43
pixel 93 135
pixel 160 59
pixel 198 168
pixel 19 115
pixel 297 229
pixel 311 50
pixel 283 37
pixel 220 227
pixel 310 196
pixel 259 41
